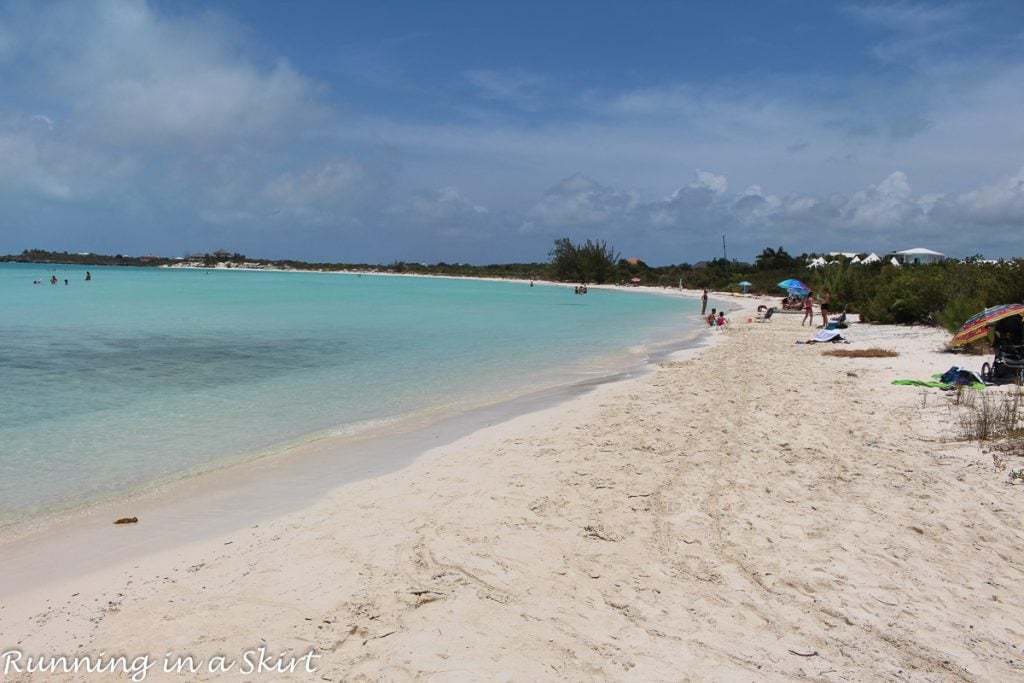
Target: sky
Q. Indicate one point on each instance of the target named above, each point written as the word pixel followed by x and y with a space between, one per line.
pixel 481 132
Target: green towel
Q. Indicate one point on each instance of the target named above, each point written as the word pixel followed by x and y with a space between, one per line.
pixel 937 385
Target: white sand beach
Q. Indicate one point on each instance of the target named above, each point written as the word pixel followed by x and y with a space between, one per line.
pixel 754 511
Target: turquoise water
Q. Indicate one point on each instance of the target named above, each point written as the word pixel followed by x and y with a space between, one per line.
pixel 147 375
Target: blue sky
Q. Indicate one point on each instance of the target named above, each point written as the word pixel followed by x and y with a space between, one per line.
pixel 482 131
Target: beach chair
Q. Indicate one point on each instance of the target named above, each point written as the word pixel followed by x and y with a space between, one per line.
pixel 838 322
pixel 765 316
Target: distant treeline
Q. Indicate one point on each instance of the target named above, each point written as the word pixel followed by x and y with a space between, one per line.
pixel 44 256
pixel 944 293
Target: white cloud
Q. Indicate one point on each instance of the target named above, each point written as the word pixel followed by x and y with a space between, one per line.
pixel 707 180
pixel 42 118
pixel 870 219
pixel 1000 204
pixel 890 203
pixel 445 204
pixel 579 200
pixel 133 77
pixel 329 183
pixel 334 191
pixel 446 213
pixel 36 160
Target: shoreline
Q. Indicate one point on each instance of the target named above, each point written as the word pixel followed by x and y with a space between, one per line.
pixel 20 524
pixel 250 490
pixel 754 509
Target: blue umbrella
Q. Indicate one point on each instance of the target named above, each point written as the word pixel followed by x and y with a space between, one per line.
pixel 792 285
pixel 745 284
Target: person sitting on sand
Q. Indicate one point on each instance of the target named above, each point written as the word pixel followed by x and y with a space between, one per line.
pixel 711 318
pixel 721 321
pixel 808 309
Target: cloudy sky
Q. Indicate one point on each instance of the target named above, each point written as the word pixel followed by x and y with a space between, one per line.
pixel 467 131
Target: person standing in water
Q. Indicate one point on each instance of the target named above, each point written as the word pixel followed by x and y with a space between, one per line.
pixel 88 276
pixel 704 301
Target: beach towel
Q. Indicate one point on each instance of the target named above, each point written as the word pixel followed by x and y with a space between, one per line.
pixel 829 336
pixel 922 383
pixel 939 384
pixel 826 336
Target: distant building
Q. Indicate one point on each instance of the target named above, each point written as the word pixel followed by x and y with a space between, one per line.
pixel 916 256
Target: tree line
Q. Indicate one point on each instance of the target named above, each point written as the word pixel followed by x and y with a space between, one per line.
pixel 944 293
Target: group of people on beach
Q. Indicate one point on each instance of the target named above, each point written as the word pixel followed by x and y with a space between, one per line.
pixel 716 318
pixel 824 305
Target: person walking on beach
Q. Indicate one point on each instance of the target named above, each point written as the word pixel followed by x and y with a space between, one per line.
pixel 824 306
pixel 704 301
pixel 808 310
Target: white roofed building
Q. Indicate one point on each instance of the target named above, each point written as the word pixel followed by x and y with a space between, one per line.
pixel 917 255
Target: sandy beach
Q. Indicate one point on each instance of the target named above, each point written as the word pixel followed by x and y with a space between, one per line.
pixel 757 510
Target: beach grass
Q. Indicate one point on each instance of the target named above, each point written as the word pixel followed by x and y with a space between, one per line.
pixel 861 353
pixel 995 419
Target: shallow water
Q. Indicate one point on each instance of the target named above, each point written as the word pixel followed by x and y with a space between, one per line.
pixel 141 376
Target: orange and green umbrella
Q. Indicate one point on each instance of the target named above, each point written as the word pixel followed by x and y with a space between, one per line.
pixel 977 326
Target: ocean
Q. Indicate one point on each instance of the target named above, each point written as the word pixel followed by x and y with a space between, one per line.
pixel 143 376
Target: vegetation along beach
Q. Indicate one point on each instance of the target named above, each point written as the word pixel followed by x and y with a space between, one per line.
pixel 455 341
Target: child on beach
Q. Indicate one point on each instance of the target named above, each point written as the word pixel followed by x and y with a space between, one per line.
pixel 711 318
pixel 721 319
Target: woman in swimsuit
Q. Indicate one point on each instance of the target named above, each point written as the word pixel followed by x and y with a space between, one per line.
pixel 824 306
pixel 808 309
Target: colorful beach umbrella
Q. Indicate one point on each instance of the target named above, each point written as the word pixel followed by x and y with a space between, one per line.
pixel 977 326
pixel 745 284
pixel 792 285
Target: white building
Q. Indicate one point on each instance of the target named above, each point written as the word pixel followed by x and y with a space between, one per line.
pixel 917 255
